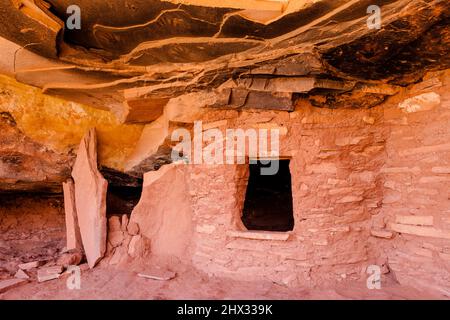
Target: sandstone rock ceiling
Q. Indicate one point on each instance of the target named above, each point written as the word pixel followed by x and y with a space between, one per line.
pixel 128 50
pixel 131 57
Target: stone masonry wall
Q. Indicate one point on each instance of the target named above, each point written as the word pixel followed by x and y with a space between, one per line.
pixel 416 204
pixel 369 187
pixel 335 157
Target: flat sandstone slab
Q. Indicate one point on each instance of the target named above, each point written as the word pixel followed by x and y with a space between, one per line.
pixel 259 235
pixel 5 285
pixel 90 199
pixel 49 273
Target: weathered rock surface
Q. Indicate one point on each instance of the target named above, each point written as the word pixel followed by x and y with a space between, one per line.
pixel 90 199
pixel 40 135
pixel 120 254
pixel 31 231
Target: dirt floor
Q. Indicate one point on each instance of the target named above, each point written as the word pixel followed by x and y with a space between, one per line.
pixel 105 282
pixel 33 229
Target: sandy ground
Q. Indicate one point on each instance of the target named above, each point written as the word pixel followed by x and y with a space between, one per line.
pixel 106 282
pixel 33 229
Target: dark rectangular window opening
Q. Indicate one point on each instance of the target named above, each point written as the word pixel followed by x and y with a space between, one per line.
pixel 268 200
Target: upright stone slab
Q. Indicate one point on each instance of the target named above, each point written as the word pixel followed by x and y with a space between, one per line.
pixel 73 235
pixel 90 199
pixel 163 214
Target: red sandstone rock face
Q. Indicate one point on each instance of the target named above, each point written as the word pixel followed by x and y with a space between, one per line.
pixel 90 199
pixel 26 165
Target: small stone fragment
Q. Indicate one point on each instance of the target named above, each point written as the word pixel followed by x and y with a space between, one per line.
pixel 124 223
pixel 133 228
pixel 161 276
pixel 20 274
pixel 71 258
pixel 30 265
pixel 49 273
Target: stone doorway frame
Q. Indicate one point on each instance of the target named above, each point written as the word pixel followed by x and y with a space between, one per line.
pixel 238 230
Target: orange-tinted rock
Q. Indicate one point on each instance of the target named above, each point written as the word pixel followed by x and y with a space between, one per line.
pixel 90 198
pixel 26 165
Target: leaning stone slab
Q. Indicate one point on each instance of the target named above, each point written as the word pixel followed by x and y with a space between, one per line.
pixel 90 199
pixel 73 236
pixel 6 285
pixel 30 265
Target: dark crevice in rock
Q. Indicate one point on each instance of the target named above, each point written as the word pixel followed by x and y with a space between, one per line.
pixel 117 178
